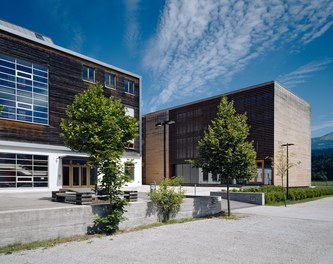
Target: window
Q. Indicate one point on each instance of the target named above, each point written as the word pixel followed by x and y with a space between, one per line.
pixel 88 73
pixel 39 36
pixel 129 170
pixel 23 170
pixel 23 90
pixel 128 86
pixel 110 80
pixel 205 176
pixel 130 112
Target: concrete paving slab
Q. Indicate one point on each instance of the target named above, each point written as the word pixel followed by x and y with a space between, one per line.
pixel 38 200
pixel 255 239
pixel 321 210
pixel 28 200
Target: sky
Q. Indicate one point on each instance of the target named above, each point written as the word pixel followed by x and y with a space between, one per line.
pixel 188 50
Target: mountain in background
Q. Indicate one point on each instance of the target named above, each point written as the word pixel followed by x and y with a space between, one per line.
pixel 323 142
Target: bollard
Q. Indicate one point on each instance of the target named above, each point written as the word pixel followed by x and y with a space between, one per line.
pixel 153 187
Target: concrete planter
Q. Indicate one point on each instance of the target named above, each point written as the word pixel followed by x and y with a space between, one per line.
pixel 23 226
pixel 245 197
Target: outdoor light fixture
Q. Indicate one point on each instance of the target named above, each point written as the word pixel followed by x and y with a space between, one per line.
pixel 164 124
pixel 287 145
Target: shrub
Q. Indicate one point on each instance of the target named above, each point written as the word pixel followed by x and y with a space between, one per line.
pixel 276 194
pixel 167 199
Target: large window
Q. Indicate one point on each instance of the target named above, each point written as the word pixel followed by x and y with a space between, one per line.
pixel 23 90
pixel 130 112
pixel 23 170
pixel 110 80
pixel 128 86
pixel 88 73
pixel 129 170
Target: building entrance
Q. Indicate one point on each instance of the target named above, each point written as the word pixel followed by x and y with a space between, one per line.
pixel 264 173
pixel 77 174
pixel 259 178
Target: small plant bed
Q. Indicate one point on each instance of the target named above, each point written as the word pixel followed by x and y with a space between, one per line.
pixel 274 195
pixel 232 216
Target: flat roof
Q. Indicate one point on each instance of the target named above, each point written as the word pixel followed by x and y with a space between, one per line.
pixel 211 98
pixel 224 94
pixel 46 41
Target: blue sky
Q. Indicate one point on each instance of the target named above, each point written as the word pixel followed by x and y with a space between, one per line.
pixel 193 49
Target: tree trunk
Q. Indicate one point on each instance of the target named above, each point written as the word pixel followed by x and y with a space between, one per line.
pixel 228 198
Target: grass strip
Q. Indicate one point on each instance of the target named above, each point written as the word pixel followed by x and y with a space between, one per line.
pixel 44 243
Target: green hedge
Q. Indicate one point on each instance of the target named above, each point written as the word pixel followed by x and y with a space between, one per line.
pixel 275 194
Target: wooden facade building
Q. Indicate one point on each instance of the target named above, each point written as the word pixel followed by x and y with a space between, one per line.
pixel 38 80
pixel 275 115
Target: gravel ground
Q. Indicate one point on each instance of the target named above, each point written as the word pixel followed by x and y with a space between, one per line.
pixel 267 236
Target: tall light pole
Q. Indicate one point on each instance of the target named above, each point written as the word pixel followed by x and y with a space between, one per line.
pixel 287 145
pixel 164 124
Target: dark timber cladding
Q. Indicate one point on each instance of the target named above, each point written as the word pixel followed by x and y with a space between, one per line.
pixel 193 119
pixel 65 81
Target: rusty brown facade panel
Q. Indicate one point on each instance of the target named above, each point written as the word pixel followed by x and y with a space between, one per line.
pixel 65 81
pixel 192 120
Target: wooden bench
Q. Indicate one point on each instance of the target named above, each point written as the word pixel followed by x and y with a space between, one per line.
pixel 73 195
pixel 131 196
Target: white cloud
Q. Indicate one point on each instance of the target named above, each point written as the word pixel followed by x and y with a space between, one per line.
pixel 323 125
pixel 132 31
pixel 302 73
pixel 199 41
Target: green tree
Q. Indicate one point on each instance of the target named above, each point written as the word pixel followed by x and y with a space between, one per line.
pixel 1 107
pixel 98 125
pixel 224 150
pixel 322 165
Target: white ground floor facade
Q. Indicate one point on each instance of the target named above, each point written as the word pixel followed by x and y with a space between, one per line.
pixel 39 167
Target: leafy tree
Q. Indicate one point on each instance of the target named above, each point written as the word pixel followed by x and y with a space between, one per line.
pixel 98 125
pixel 224 150
pixel 322 165
pixel 167 198
pixel 1 107
pixel 281 166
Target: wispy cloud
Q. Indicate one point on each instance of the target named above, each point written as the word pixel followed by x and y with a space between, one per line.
pixel 62 11
pixel 198 41
pixel 328 123
pixel 132 32
pixel 302 73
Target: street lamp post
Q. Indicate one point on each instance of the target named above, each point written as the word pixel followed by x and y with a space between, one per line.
pixel 164 124
pixel 287 145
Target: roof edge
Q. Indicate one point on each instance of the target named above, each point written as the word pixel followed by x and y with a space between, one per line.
pixel 73 53
pixel 213 97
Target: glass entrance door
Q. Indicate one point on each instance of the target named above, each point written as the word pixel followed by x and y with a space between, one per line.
pixel 77 175
pixel 259 179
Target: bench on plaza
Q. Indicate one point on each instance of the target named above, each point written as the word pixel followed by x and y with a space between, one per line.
pixel 131 196
pixel 80 196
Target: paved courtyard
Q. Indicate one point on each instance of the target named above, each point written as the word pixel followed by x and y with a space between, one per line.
pixel 301 233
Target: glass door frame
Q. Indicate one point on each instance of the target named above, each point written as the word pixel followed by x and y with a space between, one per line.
pixel 69 164
pixel 254 180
